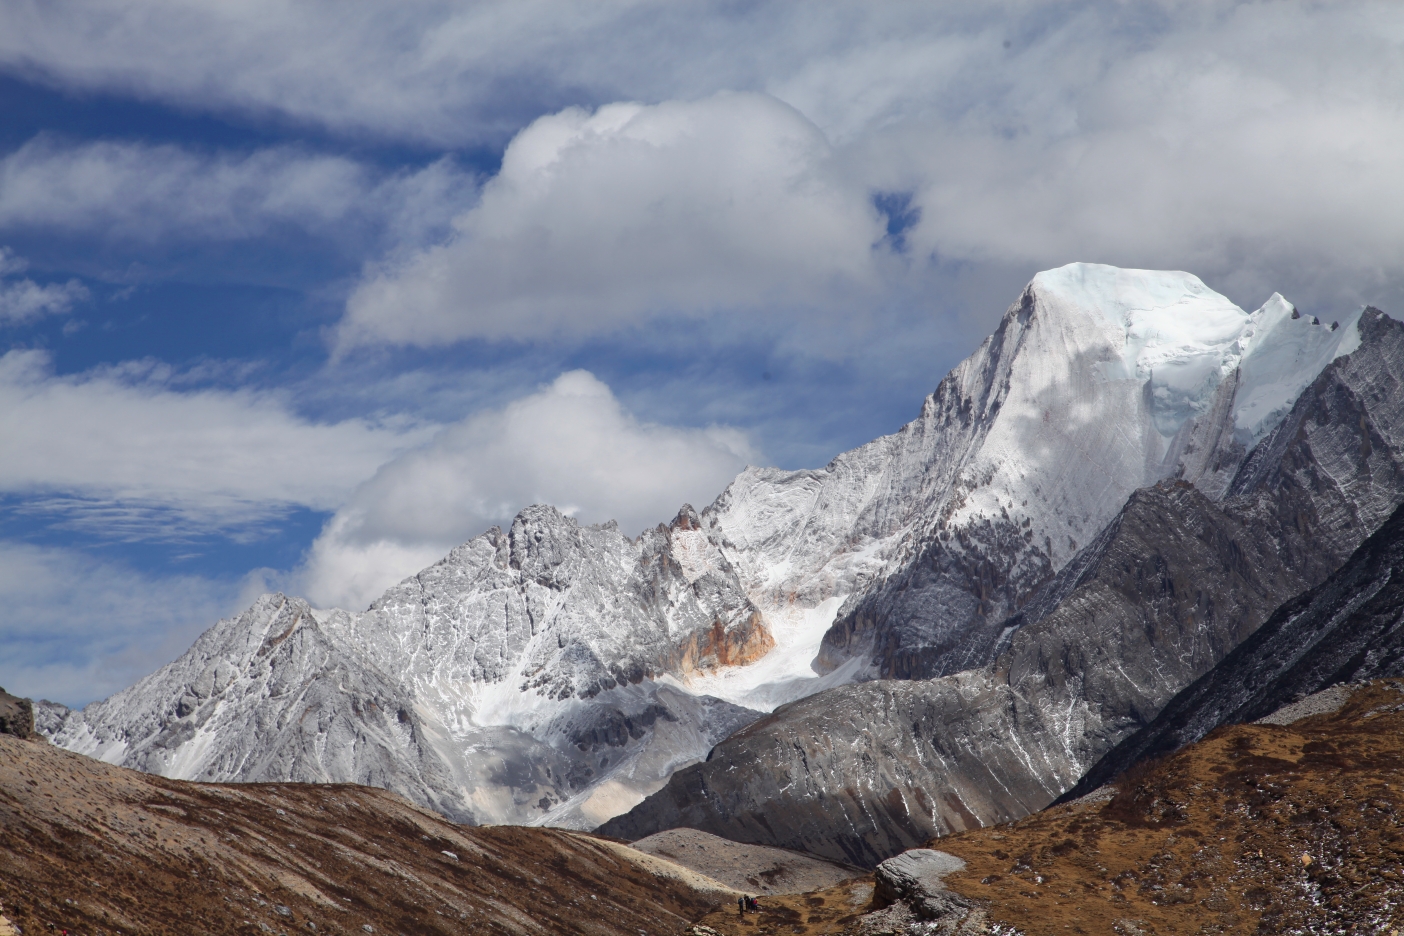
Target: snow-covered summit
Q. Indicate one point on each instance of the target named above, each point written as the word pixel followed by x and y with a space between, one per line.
pixel 1185 339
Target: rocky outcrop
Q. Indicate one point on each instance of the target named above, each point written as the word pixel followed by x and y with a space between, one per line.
pixel 1169 588
pixel 16 716
pixel 916 878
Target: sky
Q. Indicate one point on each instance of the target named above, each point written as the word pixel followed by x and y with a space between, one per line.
pixel 298 296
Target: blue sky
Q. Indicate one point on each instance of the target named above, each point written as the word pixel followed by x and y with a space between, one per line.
pixel 299 296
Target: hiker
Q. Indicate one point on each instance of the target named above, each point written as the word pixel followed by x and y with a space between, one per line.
pixel 740 906
pixel 754 904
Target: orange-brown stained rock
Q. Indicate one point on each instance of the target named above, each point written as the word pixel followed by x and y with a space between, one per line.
pixel 737 645
pixel 94 848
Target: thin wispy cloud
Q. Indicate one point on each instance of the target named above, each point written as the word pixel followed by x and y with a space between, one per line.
pixel 23 300
pixel 160 193
pixel 123 438
pixel 78 627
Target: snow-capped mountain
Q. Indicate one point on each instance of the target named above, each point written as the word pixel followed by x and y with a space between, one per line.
pixel 558 673
pixel 1160 596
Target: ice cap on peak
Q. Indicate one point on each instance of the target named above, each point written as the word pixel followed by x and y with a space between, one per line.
pixel 1184 338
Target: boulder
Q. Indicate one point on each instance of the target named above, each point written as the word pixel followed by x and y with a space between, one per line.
pixel 915 878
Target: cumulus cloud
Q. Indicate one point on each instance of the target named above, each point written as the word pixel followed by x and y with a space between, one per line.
pixel 146 192
pixel 1250 143
pixel 570 444
pixel 131 441
pixel 78 628
pixel 597 219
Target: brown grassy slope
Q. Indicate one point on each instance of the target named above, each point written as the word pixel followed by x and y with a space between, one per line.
pixel 99 849
pixel 1256 829
pixel 832 910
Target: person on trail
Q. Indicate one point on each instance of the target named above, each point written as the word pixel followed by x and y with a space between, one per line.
pixel 740 906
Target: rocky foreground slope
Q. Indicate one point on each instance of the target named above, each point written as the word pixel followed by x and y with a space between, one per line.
pixel 1273 828
pixel 86 847
pixel 1288 827
pixel 1165 592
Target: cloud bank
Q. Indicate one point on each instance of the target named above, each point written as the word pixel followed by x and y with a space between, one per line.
pixel 598 219
pixel 570 444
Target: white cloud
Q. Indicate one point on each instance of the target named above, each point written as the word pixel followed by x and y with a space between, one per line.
pixel 1253 144
pixel 129 442
pixel 570 444
pixel 78 628
pixel 154 192
pixel 599 219
pixel 1247 143
pixel 446 72
pixel 25 300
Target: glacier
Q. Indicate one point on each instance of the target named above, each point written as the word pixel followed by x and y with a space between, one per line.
pixel 555 673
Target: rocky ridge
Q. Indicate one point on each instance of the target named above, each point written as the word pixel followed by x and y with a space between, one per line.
pixel 16 716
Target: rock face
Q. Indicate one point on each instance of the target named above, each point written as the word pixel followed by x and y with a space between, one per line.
pixel 1348 628
pixel 557 673
pixel 1095 385
pixel 1166 590
pixel 16 716
pixel 267 696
